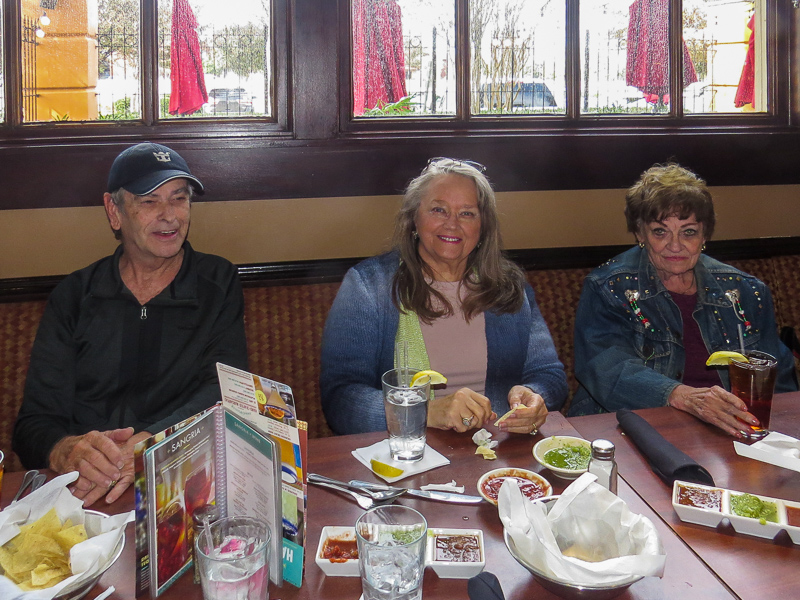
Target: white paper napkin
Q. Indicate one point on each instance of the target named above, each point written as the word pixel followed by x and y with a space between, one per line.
pixel 380 451
pixel 87 558
pixel 590 516
pixel 776 449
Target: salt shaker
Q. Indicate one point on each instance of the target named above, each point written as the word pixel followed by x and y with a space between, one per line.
pixel 207 512
pixel 603 465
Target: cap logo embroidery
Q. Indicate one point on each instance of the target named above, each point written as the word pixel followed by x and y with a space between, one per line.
pixel 162 156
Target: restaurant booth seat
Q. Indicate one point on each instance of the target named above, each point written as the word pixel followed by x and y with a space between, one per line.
pixel 284 320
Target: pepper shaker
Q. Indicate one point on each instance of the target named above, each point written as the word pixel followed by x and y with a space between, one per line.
pixel 603 465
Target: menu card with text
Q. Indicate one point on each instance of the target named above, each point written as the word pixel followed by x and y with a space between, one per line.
pixel 269 407
pixel 213 458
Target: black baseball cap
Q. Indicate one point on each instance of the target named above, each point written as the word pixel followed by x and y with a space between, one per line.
pixel 144 167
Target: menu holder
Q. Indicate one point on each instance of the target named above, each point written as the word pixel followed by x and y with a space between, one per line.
pixel 214 457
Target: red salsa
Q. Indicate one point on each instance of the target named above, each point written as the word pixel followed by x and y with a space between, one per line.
pixel 457 548
pixel 530 489
pixel 339 550
pixel 793 516
pixel 700 497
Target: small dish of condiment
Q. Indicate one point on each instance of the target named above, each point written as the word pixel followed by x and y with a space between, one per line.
pixel 747 513
pixel 532 485
pixel 566 456
pixel 337 553
pixel 455 553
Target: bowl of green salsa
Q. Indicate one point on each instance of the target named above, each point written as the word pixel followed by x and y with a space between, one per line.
pixel 566 456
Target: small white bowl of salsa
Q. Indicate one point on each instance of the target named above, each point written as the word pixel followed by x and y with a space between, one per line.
pixel 566 456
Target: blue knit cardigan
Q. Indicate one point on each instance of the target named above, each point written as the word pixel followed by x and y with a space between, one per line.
pixel 358 347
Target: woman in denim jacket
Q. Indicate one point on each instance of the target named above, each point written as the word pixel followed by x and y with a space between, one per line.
pixel 460 305
pixel 649 318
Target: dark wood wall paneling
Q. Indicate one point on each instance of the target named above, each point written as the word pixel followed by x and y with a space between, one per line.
pixel 324 271
pixel 312 150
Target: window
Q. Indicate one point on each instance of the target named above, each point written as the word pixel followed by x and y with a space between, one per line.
pixel 91 60
pixel 415 58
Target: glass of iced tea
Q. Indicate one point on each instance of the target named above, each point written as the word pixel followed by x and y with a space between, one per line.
pixel 754 383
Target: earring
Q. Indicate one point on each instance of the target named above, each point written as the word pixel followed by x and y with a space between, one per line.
pixel 641 245
pixel 703 249
pixel 479 244
pixel 415 235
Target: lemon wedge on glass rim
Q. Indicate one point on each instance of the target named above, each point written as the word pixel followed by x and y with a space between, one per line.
pixel 724 358
pixel 436 377
pixel 384 470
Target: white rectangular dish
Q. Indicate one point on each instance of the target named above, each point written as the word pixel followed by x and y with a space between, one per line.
pixel 335 567
pixel 704 505
pixel 455 553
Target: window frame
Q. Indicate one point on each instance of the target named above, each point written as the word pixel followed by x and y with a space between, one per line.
pixel 778 18
pixel 316 150
pixel 150 125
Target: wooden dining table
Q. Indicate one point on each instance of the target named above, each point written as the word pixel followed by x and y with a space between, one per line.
pixel 751 567
pixel 685 574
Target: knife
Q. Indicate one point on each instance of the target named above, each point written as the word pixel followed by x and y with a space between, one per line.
pixel 433 495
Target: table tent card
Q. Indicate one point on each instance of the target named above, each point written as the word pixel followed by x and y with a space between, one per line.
pixel 269 407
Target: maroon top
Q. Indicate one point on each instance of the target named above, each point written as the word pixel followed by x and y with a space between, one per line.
pixel 695 371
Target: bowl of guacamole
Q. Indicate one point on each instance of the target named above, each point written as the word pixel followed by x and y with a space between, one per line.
pixel 566 456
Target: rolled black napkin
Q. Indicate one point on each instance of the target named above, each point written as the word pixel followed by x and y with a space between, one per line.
pixel 484 586
pixel 666 460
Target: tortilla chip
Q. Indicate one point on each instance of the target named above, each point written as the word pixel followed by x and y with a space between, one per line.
pixel 508 414
pixel 487 453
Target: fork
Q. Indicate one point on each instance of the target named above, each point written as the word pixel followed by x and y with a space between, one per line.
pixel 386 494
pixel 27 480
pixel 363 501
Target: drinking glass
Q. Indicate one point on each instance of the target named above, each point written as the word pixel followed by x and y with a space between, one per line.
pixel 754 383
pixel 2 468
pixel 406 413
pixel 391 552
pixel 234 562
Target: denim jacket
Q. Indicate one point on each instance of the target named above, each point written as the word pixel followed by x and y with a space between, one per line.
pixel 628 347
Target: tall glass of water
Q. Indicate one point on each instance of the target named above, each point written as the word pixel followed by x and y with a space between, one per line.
pixel 234 559
pixel 391 552
pixel 406 413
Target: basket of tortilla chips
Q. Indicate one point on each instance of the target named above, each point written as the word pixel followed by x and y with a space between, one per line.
pixel 50 547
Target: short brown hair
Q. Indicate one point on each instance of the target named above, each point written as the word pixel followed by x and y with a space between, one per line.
pixel 665 191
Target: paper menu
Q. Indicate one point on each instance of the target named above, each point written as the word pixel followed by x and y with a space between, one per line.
pixel 216 458
pixel 273 413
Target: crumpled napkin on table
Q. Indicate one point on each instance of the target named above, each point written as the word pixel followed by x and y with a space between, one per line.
pixel 776 449
pixel 430 460
pixel 87 558
pixel 585 516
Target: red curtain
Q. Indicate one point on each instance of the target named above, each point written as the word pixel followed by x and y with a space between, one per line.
pixel 648 51
pixel 745 93
pixel 378 60
pixel 186 65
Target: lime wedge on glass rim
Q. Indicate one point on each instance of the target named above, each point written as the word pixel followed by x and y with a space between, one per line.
pixel 724 358
pixel 436 377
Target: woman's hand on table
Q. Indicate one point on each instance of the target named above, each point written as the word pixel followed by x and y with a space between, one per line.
pixel 713 405
pixel 530 416
pixel 460 411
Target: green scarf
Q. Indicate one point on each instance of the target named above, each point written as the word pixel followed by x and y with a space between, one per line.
pixel 408 330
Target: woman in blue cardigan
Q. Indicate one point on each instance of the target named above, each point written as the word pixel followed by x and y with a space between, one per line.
pixel 462 307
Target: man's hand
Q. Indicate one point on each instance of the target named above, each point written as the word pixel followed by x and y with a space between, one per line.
pixel 102 460
pixel 714 405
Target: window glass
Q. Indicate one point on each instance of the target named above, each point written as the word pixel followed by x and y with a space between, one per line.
pixel 624 57
pixel 403 57
pixel 2 78
pixel 118 59
pixel 517 52
pixel 61 62
pixel 723 45
pixel 214 58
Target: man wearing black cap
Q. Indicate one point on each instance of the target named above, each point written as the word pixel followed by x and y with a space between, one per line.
pixel 128 346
